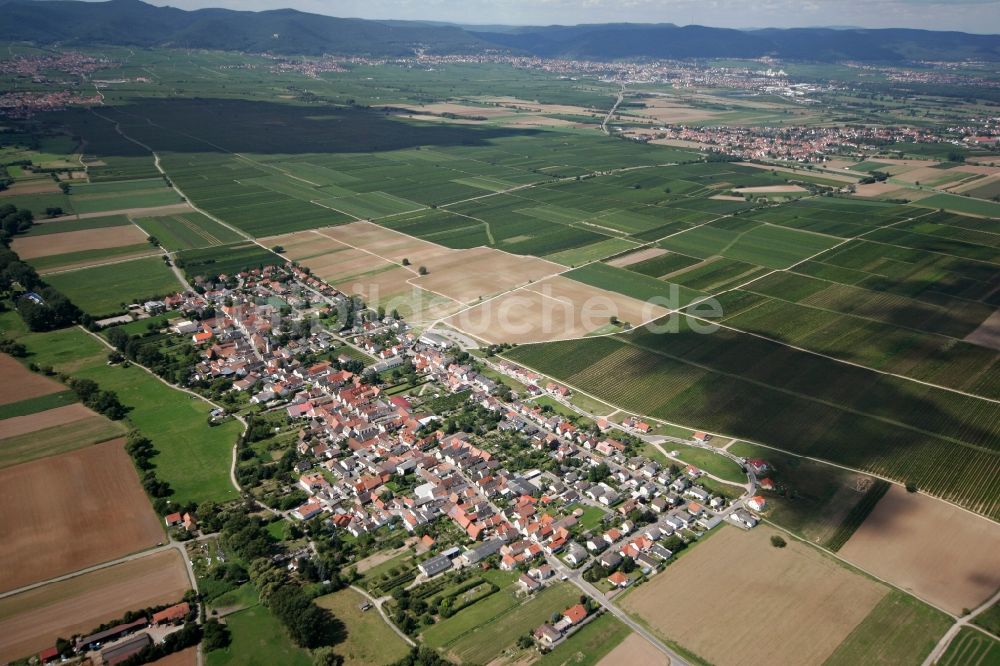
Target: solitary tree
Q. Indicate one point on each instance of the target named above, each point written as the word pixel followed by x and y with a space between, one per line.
pixel 777 541
pixel 422 270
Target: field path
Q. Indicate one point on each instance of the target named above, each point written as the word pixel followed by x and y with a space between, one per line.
pixel 377 603
pixel 964 621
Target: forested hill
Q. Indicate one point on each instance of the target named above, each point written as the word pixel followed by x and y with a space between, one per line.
pixel 631 40
pixel 282 31
pixel 287 31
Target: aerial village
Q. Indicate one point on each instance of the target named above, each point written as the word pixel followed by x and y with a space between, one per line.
pixel 524 490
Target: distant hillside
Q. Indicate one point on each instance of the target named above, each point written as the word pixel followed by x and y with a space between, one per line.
pixel 284 31
pixel 630 40
pixel 287 31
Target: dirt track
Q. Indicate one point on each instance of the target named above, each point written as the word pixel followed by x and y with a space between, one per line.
pixel 70 511
pixel 32 621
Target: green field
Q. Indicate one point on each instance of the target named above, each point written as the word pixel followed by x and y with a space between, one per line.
pixel 971 648
pixel 186 231
pixel 122 195
pixel 227 259
pixel 899 630
pixel 369 639
pixel 103 290
pixel 764 245
pixel 635 285
pixel 961 205
pixel 194 458
pixel 60 226
pixel 258 639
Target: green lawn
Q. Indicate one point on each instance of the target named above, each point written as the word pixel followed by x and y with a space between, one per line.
pixel 258 640
pixel 104 289
pixel 193 457
pixel 588 645
pixel 713 463
pixel 899 630
pixel 592 517
pixel 369 639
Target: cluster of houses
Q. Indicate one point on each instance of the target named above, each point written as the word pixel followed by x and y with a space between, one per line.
pixel 356 443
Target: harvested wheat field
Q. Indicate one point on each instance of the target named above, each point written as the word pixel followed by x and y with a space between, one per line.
pixel 19 383
pixel 937 551
pixel 392 290
pixel 72 511
pixel 556 308
pixel 31 621
pixel 736 598
pixel 467 275
pixel 390 245
pixel 45 245
pixel 634 650
pixel 988 333
pixel 21 425
pixel 303 245
pixel 638 255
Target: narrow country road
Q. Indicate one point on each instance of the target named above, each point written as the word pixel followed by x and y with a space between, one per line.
pixel 598 596
pixel 604 123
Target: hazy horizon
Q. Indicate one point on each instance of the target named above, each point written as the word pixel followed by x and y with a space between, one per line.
pixel 975 16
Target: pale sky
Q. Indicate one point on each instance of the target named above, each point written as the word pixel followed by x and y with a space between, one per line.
pixel 981 16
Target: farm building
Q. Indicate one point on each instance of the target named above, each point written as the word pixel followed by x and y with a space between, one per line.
pixel 122 651
pixel 115 632
pixel 175 613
